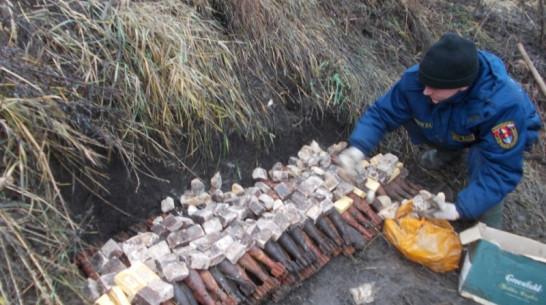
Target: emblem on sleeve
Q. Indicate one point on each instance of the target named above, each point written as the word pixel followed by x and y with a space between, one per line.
pixel 506 134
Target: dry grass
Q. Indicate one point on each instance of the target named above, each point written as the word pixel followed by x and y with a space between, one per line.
pixel 82 80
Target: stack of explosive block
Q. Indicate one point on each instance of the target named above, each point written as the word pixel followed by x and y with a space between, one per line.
pixel 248 244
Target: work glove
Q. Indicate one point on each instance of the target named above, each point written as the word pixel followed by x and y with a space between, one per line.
pixel 440 209
pixel 349 159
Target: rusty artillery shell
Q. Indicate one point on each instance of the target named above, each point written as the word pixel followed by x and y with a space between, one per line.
pixel 329 229
pixel 180 296
pixel 249 264
pixel 361 204
pixel 296 234
pixel 213 287
pixel 197 286
pixel 340 226
pixel 273 249
pixel 352 221
pixel 276 268
pixel 259 292
pixel 246 286
pixel 347 249
pixel 359 216
pixel 189 294
pixel 138 228
pixel 325 245
pixel 83 262
pixel 288 244
pixel 322 259
pixel 226 284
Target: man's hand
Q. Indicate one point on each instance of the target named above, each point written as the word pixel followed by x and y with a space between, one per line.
pixel 349 160
pixel 441 209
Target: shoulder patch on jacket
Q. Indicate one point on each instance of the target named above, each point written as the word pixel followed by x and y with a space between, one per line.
pixel 506 134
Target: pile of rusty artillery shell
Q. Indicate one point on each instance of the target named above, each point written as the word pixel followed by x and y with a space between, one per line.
pixel 246 245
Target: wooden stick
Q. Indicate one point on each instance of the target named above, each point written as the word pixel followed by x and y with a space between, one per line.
pixel 532 68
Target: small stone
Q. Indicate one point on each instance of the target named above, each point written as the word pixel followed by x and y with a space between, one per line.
pixel 98 260
pixel 267 200
pixel 217 195
pixel 317 170
pixel 159 250
pixel 237 189
pixel 331 182
pixel 283 190
pixel 216 181
pixel 277 204
pixel 111 248
pixel 337 148
pixel 259 174
pixel 172 223
pixel 165 290
pixel 279 175
pixel 241 211
pixel 290 211
pixel 211 226
pixel 301 202
pixel 268 224
pixel 91 290
pixel 342 189
pixel 293 170
pixel 224 242
pixel 149 238
pixel 197 260
pixel 189 199
pixel 146 296
pixel 262 187
pixel 255 206
pixel 183 238
pixel 262 237
pixel 234 252
pixel 202 216
pixel 226 216
pixel 197 186
pixel 327 206
pixel 314 213
pixel 114 265
pixel 215 255
pixel 282 221
pixel 167 204
pixel 192 209
pixel 160 230
pixel 106 281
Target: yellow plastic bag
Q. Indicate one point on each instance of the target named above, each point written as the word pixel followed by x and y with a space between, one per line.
pixel 430 242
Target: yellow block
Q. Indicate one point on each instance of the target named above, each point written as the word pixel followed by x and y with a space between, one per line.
pixel 360 193
pixel 375 159
pixel 134 278
pixel 395 174
pixel 372 184
pixel 104 300
pixel 118 296
pixel 364 163
pixel 342 204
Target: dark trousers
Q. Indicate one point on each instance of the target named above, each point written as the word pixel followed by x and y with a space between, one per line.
pixel 474 161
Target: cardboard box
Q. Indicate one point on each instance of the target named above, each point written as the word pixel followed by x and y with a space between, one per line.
pixel 502 268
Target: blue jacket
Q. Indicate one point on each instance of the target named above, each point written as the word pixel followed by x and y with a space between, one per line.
pixel 494 113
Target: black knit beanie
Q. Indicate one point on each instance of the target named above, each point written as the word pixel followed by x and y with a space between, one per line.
pixel 452 62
